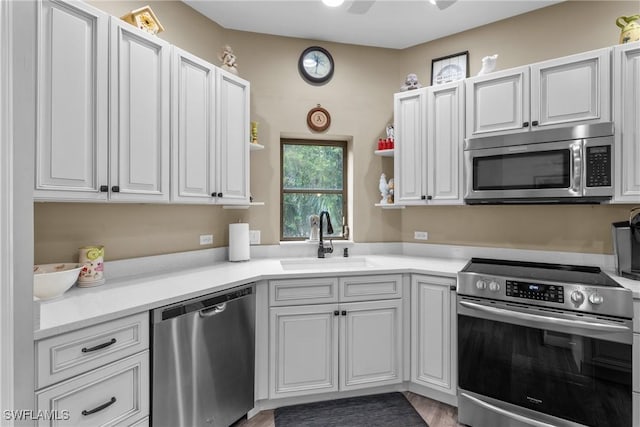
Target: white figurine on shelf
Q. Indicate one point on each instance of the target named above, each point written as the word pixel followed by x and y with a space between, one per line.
pixel 384 189
pixel 228 59
pixel 410 83
pixel 488 64
pixel 390 131
pixel 314 223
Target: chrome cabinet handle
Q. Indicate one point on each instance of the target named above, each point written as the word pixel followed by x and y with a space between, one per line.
pixel 596 326
pixel 99 408
pixel 99 346
pixel 217 309
pixel 504 412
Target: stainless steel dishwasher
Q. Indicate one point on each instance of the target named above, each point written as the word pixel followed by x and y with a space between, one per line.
pixel 203 360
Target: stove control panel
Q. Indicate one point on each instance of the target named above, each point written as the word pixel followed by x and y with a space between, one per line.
pixel 535 291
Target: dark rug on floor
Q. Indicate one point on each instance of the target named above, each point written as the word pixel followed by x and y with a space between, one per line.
pixel 380 410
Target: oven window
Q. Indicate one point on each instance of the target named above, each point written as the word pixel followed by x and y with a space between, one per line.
pixel 522 171
pixel 577 378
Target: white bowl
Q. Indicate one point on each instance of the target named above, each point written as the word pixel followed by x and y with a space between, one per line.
pixel 52 280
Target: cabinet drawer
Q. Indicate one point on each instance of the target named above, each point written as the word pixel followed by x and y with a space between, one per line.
pixel 367 288
pixel 63 356
pixel 318 290
pixel 116 394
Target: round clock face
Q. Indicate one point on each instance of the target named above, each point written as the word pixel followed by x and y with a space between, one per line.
pixel 318 119
pixel 316 65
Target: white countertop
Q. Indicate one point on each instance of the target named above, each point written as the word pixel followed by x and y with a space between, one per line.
pixel 81 307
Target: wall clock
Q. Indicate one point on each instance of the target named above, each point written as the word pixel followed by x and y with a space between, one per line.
pixel 316 65
pixel 318 119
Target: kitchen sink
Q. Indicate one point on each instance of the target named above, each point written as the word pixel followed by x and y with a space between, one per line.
pixel 322 264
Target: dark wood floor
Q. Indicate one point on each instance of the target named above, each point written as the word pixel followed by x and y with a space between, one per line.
pixel 436 414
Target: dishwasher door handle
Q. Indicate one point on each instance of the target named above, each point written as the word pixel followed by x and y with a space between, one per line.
pixel 217 309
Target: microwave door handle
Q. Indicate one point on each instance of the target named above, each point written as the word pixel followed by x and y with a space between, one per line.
pixel 576 163
pixel 595 326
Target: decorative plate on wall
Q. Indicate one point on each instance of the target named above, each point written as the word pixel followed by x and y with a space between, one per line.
pixel 318 119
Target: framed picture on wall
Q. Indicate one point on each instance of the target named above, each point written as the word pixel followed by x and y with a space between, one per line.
pixel 450 68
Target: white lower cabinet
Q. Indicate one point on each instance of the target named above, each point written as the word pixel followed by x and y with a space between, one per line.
pixel 335 347
pixel 116 394
pixel 94 376
pixel 433 333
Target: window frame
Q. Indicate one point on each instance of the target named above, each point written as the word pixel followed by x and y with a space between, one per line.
pixel 344 192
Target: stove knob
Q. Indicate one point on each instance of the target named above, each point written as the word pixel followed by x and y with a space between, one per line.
pixel 596 299
pixel 481 284
pixel 494 286
pixel 577 297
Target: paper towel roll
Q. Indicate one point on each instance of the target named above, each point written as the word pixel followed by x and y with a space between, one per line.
pixel 239 242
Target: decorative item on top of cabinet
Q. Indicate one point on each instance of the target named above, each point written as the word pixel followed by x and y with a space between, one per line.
pixel 629 28
pixel 410 82
pixel 228 59
pixel 450 68
pixel 488 64
pixel 144 19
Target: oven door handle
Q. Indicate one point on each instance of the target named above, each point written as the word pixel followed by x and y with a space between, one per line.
pixel 506 413
pixel 596 326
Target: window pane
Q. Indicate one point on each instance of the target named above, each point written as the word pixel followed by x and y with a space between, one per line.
pixel 298 207
pixel 312 167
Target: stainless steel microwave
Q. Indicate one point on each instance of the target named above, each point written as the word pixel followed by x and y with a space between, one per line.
pixel 564 165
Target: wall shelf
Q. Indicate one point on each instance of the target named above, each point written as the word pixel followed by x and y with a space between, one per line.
pixel 389 206
pixel 255 147
pixel 250 205
pixel 384 153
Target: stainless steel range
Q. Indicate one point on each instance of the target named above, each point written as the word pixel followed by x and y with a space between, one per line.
pixel 543 345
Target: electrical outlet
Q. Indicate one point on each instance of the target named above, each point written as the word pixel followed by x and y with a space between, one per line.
pixel 206 239
pixel 421 235
pixel 254 237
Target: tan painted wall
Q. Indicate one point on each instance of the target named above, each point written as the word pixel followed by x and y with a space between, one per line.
pixel 359 98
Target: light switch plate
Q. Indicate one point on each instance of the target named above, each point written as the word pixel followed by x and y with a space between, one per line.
pixel 254 237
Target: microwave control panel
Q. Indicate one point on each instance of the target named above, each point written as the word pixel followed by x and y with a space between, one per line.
pixel 598 164
pixel 535 291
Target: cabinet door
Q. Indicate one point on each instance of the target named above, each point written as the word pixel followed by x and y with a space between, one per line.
pixel 498 103
pixel 371 344
pixel 192 129
pixel 445 135
pixel 432 359
pixel 410 148
pixel 139 139
pixel 575 88
pixel 303 356
pixel 627 122
pixel 233 138
pixel 71 148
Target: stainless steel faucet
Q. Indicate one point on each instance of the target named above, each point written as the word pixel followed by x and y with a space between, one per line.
pixel 321 249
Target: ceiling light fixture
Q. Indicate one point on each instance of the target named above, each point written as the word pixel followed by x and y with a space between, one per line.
pixel 332 3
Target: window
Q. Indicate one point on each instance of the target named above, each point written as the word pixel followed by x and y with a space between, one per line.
pixel 313 178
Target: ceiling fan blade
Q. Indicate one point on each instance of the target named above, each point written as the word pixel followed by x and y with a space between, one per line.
pixel 360 7
pixel 443 4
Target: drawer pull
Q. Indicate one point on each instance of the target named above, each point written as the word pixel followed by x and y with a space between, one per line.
pixel 99 408
pixel 100 346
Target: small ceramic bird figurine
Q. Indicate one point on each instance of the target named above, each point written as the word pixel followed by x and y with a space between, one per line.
pixel 384 189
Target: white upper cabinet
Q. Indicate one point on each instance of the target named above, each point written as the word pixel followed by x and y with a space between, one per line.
pixel 410 112
pixel 428 155
pixel 445 133
pixel 232 108
pixel 626 78
pixel 139 115
pixel 193 129
pixel 71 148
pixel 498 102
pixel 575 88
pixel 570 90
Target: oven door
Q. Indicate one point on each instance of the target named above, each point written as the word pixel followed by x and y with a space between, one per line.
pixel 520 366
pixel 532 171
